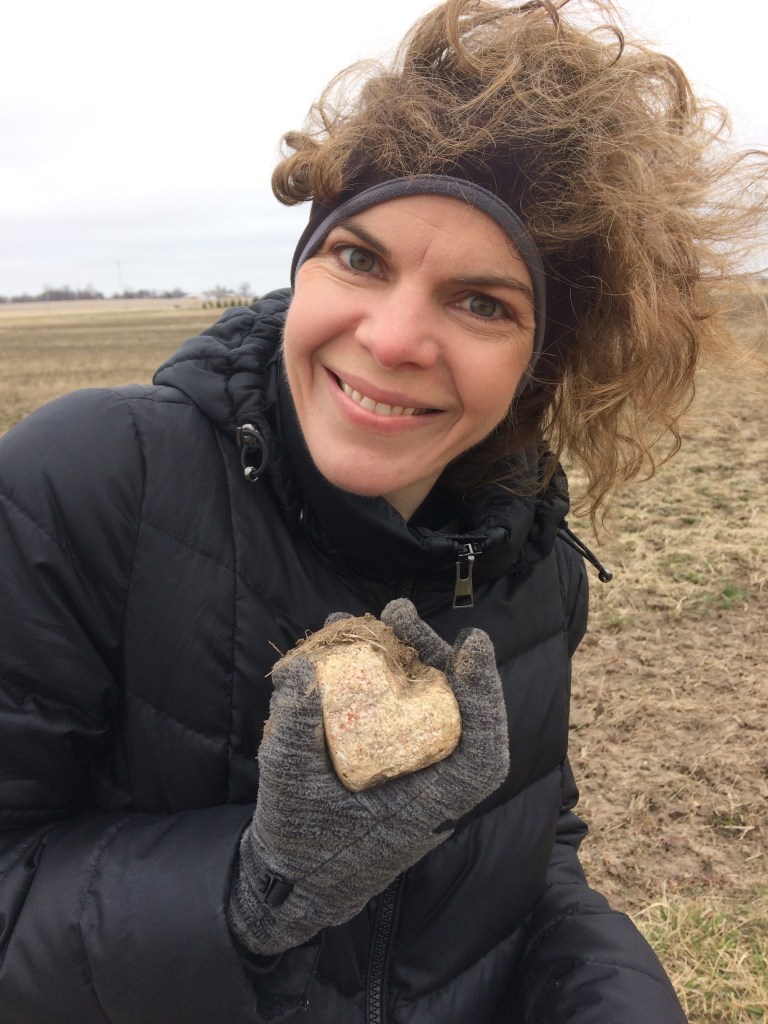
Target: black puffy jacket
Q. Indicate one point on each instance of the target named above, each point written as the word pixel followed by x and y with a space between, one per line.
pixel 146 586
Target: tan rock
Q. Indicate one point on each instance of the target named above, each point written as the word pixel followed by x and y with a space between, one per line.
pixel 385 713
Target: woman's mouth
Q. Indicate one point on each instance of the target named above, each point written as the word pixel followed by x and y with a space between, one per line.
pixel 380 408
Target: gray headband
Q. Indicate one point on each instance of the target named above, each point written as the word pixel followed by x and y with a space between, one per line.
pixel 454 188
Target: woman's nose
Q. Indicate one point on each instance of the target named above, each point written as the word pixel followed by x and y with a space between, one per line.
pixel 400 327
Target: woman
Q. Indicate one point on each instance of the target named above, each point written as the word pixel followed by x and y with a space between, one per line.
pixel 505 256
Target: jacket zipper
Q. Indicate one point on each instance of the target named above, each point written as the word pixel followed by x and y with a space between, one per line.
pixel 405 587
pixel 378 960
pixel 378 963
pixel 463 590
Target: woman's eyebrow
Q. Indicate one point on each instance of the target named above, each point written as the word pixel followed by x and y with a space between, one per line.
pixel 497 282
pixel 365 236
pixel 481 281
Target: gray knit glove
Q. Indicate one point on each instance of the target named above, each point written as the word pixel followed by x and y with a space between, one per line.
pixel 314 852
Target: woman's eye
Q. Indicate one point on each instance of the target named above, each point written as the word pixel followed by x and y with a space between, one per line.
pixel 485 307
pixel 357 259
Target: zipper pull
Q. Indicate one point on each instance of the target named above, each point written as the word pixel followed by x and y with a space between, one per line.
pixel 463 591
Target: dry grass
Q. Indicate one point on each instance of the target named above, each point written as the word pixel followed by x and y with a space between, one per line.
pixel 720 955
pixel 670 700
pixel 670 704
pixel 46 353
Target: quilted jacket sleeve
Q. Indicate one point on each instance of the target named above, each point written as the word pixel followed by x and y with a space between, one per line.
pixel 584 962
pixel 113 917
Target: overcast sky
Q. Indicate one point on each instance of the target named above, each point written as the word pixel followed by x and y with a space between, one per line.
pixel 137 140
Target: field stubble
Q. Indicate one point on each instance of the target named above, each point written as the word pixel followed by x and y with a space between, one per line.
pixel 670 701
pixel 669 729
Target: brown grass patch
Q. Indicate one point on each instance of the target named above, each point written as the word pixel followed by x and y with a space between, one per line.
pixel 670 703
pixel 49 351
pixel 719 951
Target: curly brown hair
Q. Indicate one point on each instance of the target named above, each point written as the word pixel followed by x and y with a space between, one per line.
pixel 628 176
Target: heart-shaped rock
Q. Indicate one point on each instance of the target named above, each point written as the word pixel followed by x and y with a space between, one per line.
pixel 385 713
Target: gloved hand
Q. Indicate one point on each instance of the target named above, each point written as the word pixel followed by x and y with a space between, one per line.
pixel 314 852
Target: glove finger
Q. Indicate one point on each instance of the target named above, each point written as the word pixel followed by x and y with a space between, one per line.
pixel 294 730
pixel 292 677
pixel 337 617
pixel 474 678
pixel 403 619
pixel 483 751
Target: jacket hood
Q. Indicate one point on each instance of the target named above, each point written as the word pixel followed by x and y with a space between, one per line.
pixel 226 371
pixel 232 372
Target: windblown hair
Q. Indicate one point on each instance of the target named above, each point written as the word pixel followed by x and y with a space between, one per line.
pixel 626 173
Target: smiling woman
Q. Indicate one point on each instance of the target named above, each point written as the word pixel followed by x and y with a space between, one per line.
pixel 396 364
pixel 630 198
pixel 512 230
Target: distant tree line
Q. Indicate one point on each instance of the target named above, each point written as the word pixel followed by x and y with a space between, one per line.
pixel 65 293
pixel 219 295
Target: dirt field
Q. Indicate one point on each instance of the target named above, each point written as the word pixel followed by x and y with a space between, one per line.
pixel 670 699
pixel 670 705
pixel 47 352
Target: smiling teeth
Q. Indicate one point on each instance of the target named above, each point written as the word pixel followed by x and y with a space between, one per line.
pixel 380 408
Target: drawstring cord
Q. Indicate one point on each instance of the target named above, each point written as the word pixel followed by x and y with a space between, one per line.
pixel 573 541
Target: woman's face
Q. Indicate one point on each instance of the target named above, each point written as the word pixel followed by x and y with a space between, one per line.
pixel 408 333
